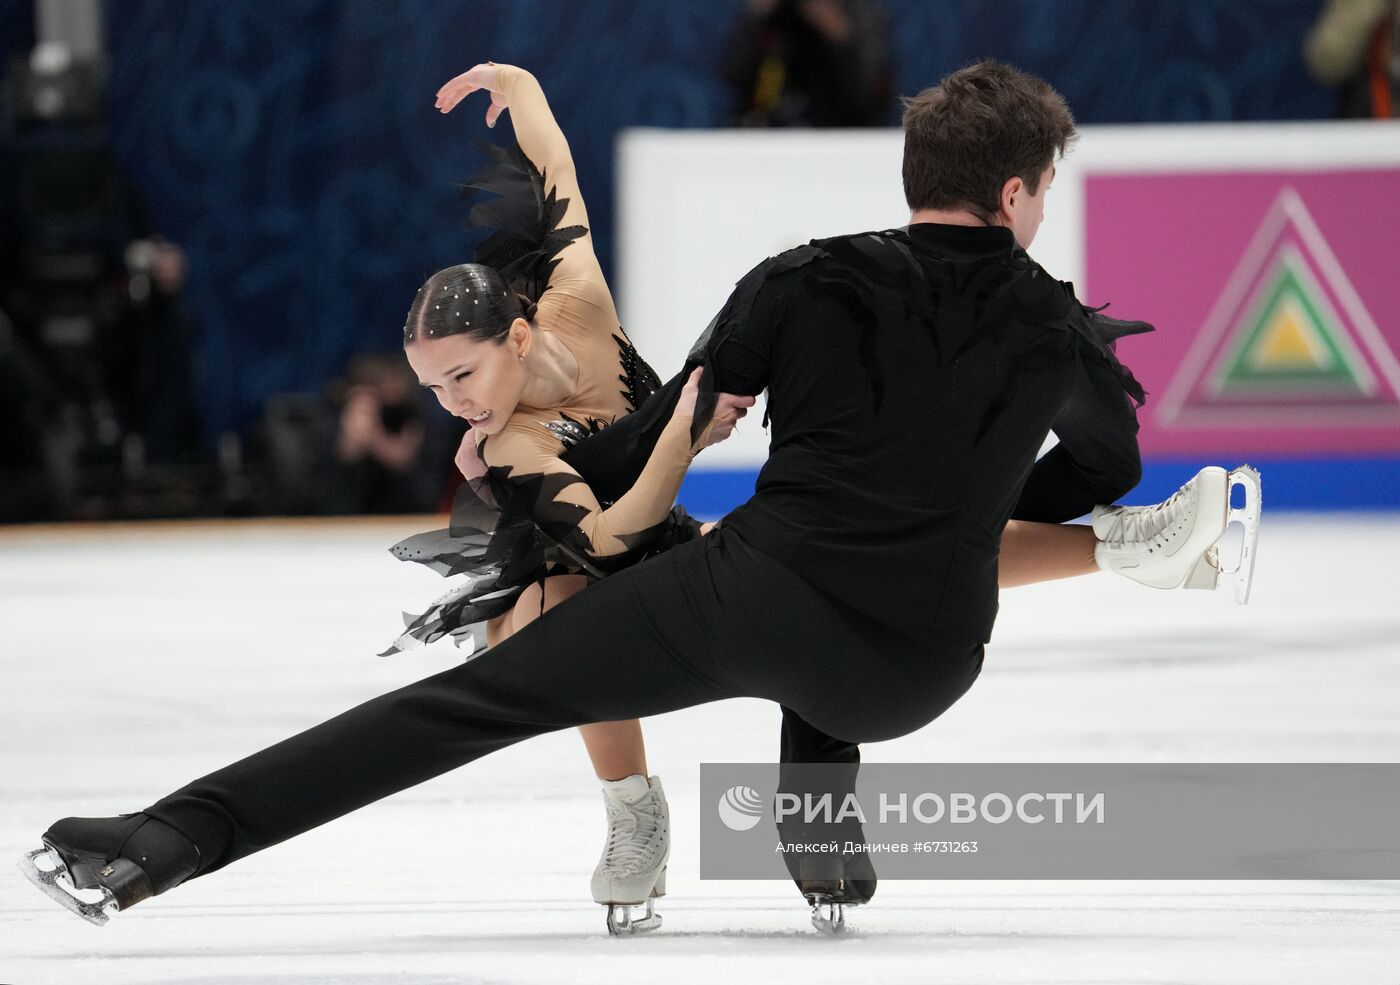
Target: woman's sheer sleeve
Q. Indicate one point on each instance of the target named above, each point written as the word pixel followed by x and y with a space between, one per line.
pixel 577 291
pixel 565 507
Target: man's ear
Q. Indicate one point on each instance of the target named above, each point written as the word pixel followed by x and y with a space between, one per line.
pixel 1011 193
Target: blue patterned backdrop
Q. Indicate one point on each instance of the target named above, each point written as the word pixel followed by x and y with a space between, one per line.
pixel 293 150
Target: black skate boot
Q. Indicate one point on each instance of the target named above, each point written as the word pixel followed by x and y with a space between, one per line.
pixel 829 878
pixel 830 881
pixel 115 862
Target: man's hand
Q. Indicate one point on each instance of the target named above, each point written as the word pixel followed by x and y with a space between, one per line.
pixel 477 77
pixel 729 411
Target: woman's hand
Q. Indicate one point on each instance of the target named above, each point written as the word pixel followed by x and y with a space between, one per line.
pixel 685 406
pixel 468 458
pixel 477 77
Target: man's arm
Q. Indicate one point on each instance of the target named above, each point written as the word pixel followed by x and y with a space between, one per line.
pixel 736 350
pixel 1097 460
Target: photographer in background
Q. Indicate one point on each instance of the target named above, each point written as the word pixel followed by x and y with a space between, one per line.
pixel 383 456
pixel 363 446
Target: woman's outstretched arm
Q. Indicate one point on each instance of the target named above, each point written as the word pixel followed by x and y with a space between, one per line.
pixel 577 277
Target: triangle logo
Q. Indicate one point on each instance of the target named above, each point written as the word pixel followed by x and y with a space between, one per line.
pixel 1289 341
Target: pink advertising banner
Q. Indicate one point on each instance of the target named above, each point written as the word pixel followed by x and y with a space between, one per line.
pixel 1276 298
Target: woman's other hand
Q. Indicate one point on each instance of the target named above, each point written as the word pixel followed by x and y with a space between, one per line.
pixel 477 77
pixel 685 405
pixel 468 459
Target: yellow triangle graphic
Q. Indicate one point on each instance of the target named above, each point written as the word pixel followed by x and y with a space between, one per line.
pixel 1290 342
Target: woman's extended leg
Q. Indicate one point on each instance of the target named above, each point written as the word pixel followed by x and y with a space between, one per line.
pixel 1171 544
pixel 637 845
pixel 1095 463
pixel 616 749
pixel 1036 552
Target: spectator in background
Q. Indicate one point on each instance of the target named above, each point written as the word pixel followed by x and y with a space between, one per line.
pixel 28 399
pixel 811 63
pixel 1354 46
pixel 95 343
pixel 97 334
pixel 152 378
pixel 377 455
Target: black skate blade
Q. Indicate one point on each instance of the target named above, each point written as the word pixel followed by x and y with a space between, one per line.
pixel 51 882
pixel 621 924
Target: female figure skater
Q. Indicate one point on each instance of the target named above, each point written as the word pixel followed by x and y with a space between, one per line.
pixel 927 362
pixel 535 372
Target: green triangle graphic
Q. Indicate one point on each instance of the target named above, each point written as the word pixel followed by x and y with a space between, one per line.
pixel 1288 341
pixel 1287 344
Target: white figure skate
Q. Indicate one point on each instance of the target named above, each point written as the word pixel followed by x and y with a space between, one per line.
pixel 632 870
pixel 1176 543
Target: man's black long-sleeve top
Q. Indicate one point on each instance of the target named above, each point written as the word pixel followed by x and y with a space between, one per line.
pixel 912 376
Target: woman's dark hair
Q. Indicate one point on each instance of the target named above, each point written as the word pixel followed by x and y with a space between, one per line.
pixel 468 299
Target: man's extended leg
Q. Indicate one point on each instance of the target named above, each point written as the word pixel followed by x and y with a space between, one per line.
pixel 709 620
pixel 605 658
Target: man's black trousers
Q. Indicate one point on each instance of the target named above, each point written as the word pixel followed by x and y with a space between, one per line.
pixel 708 620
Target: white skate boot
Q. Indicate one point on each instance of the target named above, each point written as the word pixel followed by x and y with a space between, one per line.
pixel 1176 543
pixel 632 870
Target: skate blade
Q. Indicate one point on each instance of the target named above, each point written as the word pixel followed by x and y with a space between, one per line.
pixel 621 924
pixel 55 883
pixel 828 916
pixel 1247 516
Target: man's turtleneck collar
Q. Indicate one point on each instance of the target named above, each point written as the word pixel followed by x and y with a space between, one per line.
pixel 966 241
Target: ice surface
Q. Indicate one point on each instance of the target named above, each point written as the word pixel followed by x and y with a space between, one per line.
pixel 138 658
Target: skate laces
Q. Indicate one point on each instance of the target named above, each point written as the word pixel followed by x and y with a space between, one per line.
pixel 634 830
pixel 1140 524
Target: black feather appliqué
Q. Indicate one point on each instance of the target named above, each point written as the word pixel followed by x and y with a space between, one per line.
pixel 514 199
pixel 638 379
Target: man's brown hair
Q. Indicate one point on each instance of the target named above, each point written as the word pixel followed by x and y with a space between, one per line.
pixel 980 126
